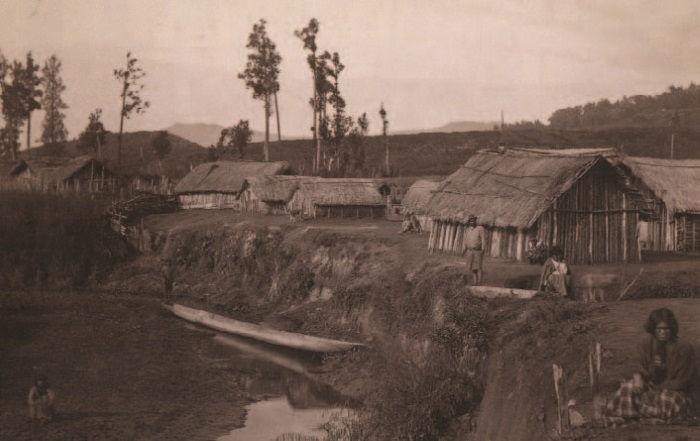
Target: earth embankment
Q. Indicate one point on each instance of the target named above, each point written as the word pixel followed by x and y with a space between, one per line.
pixel 465 367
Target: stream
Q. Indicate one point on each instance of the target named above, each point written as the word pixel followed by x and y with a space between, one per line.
pixel 290 404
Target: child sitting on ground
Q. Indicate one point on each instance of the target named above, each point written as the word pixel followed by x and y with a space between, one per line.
pixel 41 399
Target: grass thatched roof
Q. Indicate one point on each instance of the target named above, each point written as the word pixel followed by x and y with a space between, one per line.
pixel 54 169
pixel 510 189
pixel 225 176
pixel 675 182
pixel 275 188
pixel 418 196
pixel 343 191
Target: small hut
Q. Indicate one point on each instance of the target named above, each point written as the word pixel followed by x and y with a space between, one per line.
pixel 670 202
pixel 269 194
pixel 80 174
pixel 576 200
pixel 219 184
pixel 416 200
pixel 340 197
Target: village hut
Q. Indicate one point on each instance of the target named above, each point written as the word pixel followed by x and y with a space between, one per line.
pixel 416 200
pixel 269 194
pixel 80 174
pixel 577 201
pixel 340 197
pixel 670 202
pixel 219 184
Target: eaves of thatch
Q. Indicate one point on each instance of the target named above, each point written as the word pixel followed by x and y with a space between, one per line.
pixel 54 169
pixel 274 188
pixel 343 191
pixel 225 176
pixel 510 189
pixel 675 182
pixel 418 195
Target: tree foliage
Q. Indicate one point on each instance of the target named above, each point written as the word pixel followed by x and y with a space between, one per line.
pixel 54 130
pixel 93 137
pixel 26 82
pixel 131 88
pixel 161 144
pixel 307 35
pixel 12 109
pixel 261 72
pixel 235 138
pixel 674 107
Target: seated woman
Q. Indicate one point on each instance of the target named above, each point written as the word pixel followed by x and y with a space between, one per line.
pixel 556 277
pixel 660 390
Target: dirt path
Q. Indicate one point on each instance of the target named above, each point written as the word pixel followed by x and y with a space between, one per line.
pixel 122 368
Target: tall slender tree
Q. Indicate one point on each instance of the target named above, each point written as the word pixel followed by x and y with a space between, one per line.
pixel 26 80
pixel 261 73
pixel 308 37
pixel 385 126
pixel 130 78
pixel 54 131
pixel 12 109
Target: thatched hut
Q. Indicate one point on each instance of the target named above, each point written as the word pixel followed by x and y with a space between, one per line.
pixel 577 201
pixel 79 174
pixel 219 184
pixel 340 197
pixel 416 200
pixel 670 210
pixel 269 194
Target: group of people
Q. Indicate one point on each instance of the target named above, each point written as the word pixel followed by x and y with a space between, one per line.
pixel 661 388
pixel 555 277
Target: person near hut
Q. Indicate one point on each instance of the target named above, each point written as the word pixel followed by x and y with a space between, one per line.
pixel 474 245
pixel 410 223
pixel 660 389
pixel 41 399
pixel 556 276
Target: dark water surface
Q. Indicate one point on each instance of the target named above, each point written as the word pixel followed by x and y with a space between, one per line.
pixel 290 400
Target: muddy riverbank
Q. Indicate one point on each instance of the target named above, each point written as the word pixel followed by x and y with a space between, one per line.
pixel 122 369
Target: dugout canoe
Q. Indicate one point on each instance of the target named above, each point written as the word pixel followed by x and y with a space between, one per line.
pixel 259 332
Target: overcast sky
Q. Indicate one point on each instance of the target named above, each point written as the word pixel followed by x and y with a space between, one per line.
pixel 430 62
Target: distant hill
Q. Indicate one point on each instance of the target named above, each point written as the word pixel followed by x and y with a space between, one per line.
pixel 435 154
pixel 452 127
pixel 208 134
pixel 442 153
pixel 676 107
pixel 183 154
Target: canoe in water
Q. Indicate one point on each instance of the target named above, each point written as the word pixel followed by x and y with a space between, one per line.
pixel 261 333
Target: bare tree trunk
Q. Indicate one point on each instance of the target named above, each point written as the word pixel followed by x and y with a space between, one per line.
pixel 29 133
pixel 121 129
pixel 386 154
pixel 277 113
pixel 266 146
pixel 317 138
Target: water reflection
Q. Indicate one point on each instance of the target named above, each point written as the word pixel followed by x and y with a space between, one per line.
pixel 290 399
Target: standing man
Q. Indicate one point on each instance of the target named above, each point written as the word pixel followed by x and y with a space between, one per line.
pixel 474 241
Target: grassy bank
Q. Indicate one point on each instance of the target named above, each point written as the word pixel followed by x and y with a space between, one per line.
pixel 54 240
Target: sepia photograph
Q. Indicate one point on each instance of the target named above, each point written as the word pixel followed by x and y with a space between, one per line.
pixel 369 220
